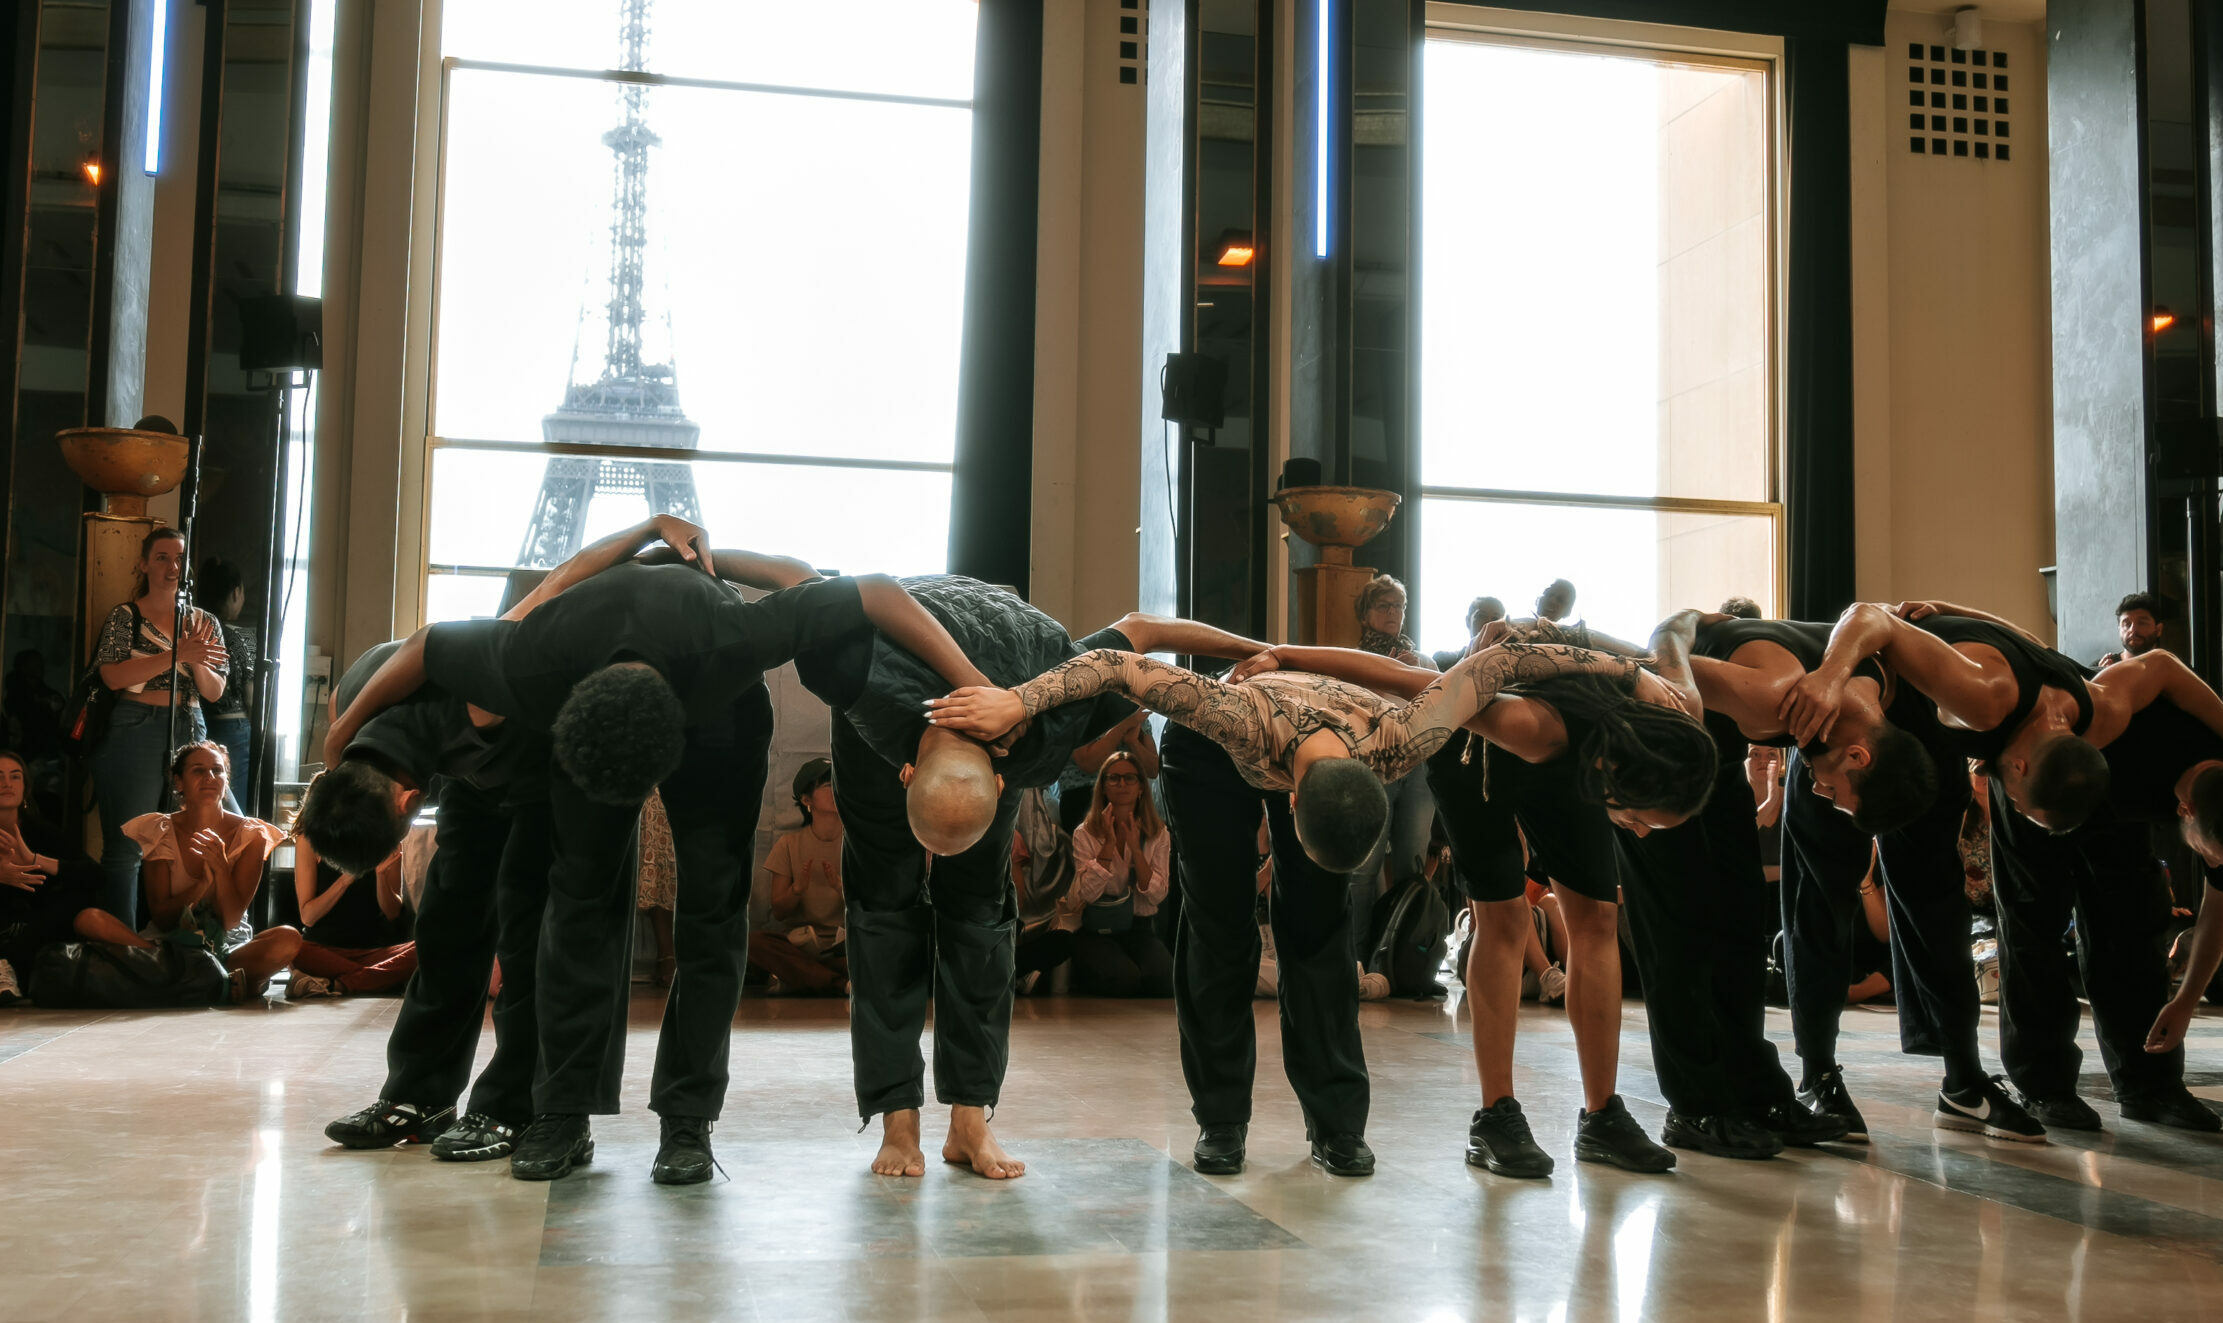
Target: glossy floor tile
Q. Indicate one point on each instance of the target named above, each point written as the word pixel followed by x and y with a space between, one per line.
pixel 172 1166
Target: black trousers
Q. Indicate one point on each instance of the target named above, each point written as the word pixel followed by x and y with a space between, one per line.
pixel 1698 910
pixel 1214 817
pixel 1932 976
pixel 482 900
pixel 2103 873
pixel 32 920
pixel 915 935
pixel 1133 963
pixel 586 941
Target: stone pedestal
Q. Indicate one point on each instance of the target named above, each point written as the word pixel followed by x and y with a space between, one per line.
pixel 126 466
pixel 111 567
pixel 1327 599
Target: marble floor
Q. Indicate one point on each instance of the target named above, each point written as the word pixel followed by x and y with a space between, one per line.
pixel 172 1166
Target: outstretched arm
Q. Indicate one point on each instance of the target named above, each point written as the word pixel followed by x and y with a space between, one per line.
pixel 750 569
pixel 1224 713
pixel 1962 689
pixel 914 629
pixel 1461 693
pixel 399 676
pixel 2207 954
pixel 1149 633
pixel 1920 610
pixel 2134 683
pixel 1672 641
pixel 1370 670
pixel 689 540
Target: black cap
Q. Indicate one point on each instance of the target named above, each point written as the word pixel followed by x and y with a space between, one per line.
pixel 812 775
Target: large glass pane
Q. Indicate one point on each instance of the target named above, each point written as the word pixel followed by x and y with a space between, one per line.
pixel 1596 314
pixel 802 270
pixel 839 519
pixel 1630 568
pixel 906 47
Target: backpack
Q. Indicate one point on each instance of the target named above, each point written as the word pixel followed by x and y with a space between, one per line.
pixel 105 976
pixel 85 715
pixel 1412 927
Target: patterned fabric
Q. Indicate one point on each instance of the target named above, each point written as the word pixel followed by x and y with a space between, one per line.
pixel 659 860
pixel 1387 645
pixel 119 643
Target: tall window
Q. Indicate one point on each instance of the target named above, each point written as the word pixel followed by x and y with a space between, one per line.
pixel 1598 362
pixel 698 256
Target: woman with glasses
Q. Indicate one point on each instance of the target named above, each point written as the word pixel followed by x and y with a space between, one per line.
pixel 1121 869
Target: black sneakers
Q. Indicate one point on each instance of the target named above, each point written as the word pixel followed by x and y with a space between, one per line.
pixel 1825 1094
pixel 1720 1136
pixel 1219 1149
pixel 684 1156
pixel 1500 1141
pixel 551 1146
pixel 1610 1135
pixel 1343 1155
pixel 2064 1112
pixel 386 1123
pixel 1792 1123
pixel 2179 1108
pixel 476 1138
pixel 1987 1110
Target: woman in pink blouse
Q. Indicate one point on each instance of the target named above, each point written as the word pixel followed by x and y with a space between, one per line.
pixel 1120 874
pixel 203 866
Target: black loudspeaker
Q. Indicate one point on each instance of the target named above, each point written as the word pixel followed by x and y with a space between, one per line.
pixel 281 333
pixel 1301 472
pixel 1194 389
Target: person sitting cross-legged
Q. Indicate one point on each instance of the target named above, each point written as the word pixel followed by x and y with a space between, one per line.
pixel 357 940
pixel 203 866
pixel 1122 862
pixel 802 887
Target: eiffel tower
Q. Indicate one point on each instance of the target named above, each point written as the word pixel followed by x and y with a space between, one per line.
pixel 631 403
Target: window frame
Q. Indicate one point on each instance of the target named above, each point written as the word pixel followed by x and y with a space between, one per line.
pixel 1658 44
pixel 425 408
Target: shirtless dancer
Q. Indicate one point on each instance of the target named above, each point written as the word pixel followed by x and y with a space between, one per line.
pixel 2041 723
pixel 1901 796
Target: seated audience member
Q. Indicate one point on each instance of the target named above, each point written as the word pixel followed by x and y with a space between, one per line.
pixel 802 888
pixel 1556 602
pixel 1871 945
pixel 658 890
pixel 1544 961
pixel 43 884
pixel 1042 881
pixel 1122 857
pixel 2138 619
pixel 1742 607
pixel 1403 852
pixel 355 930
pixel 1077 783
pixel 1975 840
pixel 1480 612
pixel 202 866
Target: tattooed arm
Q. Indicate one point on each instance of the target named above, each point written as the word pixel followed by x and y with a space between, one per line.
pixel 1418 729
pixel 1226 714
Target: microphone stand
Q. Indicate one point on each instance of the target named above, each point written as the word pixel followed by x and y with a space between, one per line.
pixel 188 507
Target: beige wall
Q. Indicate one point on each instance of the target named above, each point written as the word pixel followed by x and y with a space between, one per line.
pixel 1951 355
pixel 1088 321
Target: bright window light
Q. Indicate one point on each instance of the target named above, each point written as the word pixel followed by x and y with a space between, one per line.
pixel 161 36
pixel 1320 163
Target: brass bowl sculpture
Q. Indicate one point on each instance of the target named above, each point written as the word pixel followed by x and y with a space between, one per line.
pixel 125 465
pixel 1336 519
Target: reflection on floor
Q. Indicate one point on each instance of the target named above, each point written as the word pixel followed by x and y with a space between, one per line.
pixel 172 1165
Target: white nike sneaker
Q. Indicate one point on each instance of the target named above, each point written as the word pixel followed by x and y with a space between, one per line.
pixel 1987 1110
pixel 1551 986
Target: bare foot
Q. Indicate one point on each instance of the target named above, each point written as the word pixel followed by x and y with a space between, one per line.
pixel 971 1144
pixel 899 1153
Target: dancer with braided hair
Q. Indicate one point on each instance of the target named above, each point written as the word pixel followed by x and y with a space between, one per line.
pixel 1543 762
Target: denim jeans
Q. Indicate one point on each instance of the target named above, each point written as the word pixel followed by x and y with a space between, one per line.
pixel 237 737
pixel 131 776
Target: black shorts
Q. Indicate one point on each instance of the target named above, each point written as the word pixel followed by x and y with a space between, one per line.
pixel 1570 842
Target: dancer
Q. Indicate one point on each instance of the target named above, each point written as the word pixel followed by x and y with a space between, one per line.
pixel 645 677
pixel 909 789
pixel 1902 794
pixel 2041 722
pixel 1489 802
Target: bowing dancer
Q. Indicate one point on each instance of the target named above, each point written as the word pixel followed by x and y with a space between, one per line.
pixel 1328 746
pixel 1518 773
pixel 2041 723
pixel 909 791
pixel 1902 791
pixel 644 677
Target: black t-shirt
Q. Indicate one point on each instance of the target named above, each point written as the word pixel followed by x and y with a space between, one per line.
pixel 355 921
pixel 2034 666
pixel 883 689
pixel 708 644
pixel 430 734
